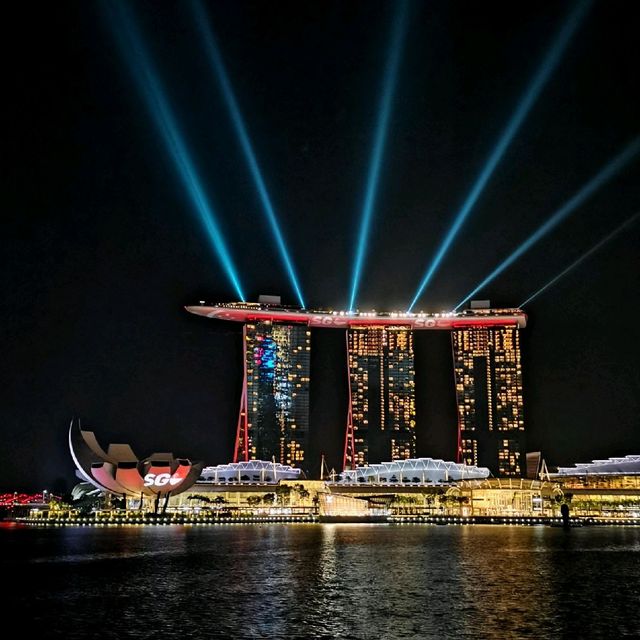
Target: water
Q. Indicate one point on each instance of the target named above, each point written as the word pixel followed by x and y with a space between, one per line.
pixel 324 581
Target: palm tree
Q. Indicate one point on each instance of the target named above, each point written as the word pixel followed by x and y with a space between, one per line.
pixel 283 492
pixel 429 499
pixel 254 501
pixel 302 492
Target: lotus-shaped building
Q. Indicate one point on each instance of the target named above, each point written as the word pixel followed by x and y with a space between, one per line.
pixel 119 471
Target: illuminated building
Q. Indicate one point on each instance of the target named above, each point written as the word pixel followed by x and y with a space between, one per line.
pixel 488 378
pixel 334 507
pixel 120 472
pixel 274 412
pixel 382 416
pixel 603 488
pixel 505 497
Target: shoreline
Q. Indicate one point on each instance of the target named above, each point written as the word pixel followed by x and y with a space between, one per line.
pixel 527 521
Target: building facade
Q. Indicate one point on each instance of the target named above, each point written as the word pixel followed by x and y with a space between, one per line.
pixel 274 412
pixel 488 378
pixel 382 417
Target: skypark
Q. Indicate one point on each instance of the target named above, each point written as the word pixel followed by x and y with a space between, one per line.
pixel 330 319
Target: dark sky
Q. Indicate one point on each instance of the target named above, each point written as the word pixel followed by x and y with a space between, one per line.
pixel 102 248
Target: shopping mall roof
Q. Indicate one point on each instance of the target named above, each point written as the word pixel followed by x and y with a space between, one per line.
pixel 628 465
pixel 418 470
pixel 251 471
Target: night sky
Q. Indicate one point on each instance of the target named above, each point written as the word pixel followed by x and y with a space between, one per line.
pixel 102 248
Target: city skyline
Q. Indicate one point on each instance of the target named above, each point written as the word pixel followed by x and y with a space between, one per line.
pixel 106 238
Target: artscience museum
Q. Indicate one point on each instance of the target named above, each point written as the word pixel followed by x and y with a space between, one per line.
pixel 120 472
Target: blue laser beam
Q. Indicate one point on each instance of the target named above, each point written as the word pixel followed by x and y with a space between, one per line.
pixel 382 126
pixel 135 54
pixel 215 59
pixel 612 168
pixel 627 223
pixel 525 104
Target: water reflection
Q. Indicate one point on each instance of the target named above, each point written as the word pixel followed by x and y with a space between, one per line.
pixel 326 581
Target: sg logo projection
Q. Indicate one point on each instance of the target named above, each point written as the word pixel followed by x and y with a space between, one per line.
pixel 160 480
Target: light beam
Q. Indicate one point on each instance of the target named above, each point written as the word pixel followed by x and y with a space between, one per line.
pixel 215 60
pixel 613 167
pixel 628 222
pixel 137 58
pixel 525 104
pixel 380 136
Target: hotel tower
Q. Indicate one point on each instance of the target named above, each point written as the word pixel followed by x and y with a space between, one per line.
pixel 381 417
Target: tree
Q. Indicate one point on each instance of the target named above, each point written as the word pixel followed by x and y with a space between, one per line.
pixel 302 492
pixel 254 501
pixel 269 498
pixel 429 500
pixel 88 503
pixel 406 503
pixel 283 493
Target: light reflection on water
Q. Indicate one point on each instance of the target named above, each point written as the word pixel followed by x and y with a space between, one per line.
pixel 326 581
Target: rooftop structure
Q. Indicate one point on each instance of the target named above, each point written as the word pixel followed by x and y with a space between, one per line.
pixel 629 465
pixel 253 471
pixel 248 312
pixel 415 470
